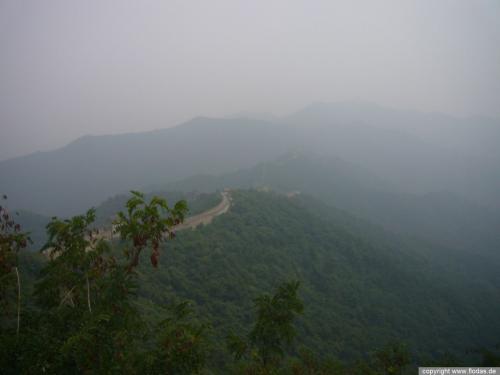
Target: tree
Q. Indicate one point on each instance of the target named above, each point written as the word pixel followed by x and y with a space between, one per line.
pixel 144 225
pixel 392 359
pixel 83 296
pixel 273 329
pixel 181 345
pixel 85 319
pixel 12 240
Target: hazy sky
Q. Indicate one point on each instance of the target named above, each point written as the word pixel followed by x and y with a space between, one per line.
pixel 69 68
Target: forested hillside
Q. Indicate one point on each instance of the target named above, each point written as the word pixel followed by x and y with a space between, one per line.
pixel 361 287
pixel 441 217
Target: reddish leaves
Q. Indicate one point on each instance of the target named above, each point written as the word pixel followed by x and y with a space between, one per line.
pixel 154 259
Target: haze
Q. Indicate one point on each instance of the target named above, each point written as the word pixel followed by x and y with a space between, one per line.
pixel 97 67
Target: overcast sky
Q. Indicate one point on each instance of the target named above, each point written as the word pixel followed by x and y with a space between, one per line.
pixel 69 68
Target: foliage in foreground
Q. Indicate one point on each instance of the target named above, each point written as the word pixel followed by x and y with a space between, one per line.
pixel 84 319
pixel 83 316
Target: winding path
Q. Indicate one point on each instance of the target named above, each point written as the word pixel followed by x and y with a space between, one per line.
pixel 207 216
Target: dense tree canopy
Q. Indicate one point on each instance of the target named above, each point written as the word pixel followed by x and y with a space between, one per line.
pixel 99 305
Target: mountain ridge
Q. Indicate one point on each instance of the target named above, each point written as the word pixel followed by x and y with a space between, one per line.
pixel 95 167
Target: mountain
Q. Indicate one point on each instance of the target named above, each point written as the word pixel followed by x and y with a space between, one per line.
pixel 418 152
pixel 82 174
pixel 91 169
pixel 473 135
pixel 440 217
pixel 362 286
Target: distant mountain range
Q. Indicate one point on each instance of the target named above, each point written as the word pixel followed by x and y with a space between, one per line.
pixel 89 170
pixel 410 151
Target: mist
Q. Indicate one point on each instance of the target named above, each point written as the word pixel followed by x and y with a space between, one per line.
pixel 103 67
pixel 249 187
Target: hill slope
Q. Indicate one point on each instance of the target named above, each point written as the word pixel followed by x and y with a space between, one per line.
pixel 441 217
pixel 361 286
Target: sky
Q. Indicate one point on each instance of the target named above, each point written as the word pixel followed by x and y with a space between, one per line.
pixel 71 68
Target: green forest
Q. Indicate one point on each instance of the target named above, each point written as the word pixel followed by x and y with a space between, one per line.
pixel 277 285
